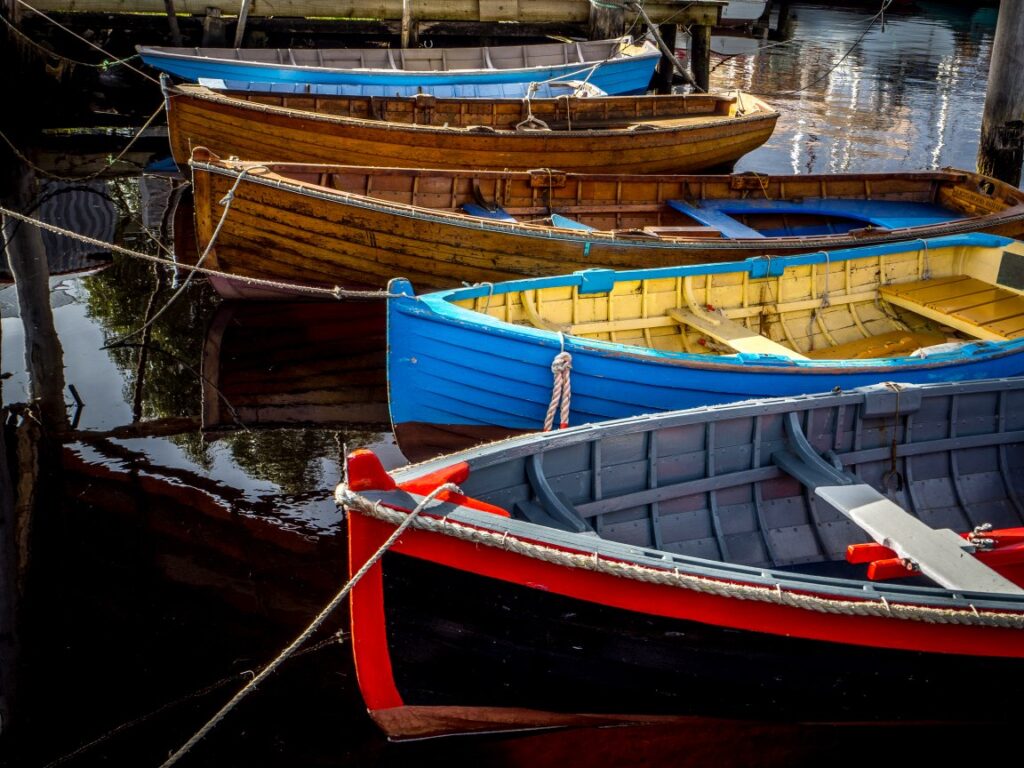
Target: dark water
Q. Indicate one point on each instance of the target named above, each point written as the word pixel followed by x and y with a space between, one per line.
pixel 186 553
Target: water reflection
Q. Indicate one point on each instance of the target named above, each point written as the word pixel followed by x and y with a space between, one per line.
pixel 198 533
pixel 888 105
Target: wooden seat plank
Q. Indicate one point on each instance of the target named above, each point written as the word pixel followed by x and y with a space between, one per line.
pixel 960 303
pixel 941 554
pixel 736 335
pixel 1004 309
pixel 969 300
pixel 917 285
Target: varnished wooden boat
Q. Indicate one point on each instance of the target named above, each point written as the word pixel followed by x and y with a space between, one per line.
pixel 283 363
pixel 635 134
pixel 726 563
pixel 476 363
pixel 617 66
pixel 333 225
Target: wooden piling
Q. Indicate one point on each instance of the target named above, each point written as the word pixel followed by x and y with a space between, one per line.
pixel 172 22
pixel 1001 149
pixel 44 356
pixel 666 66
pixel 700 56
pixel 606 21
pixel 213 29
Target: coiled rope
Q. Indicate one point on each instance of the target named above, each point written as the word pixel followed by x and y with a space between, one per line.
pixel 342 494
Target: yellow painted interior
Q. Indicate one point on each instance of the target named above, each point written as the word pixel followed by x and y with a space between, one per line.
pixel 885 306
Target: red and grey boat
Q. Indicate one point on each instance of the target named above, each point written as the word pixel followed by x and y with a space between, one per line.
pixel 850 557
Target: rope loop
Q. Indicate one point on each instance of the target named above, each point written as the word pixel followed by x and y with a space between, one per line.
pixel 561 392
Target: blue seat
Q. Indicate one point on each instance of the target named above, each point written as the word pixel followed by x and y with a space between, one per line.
pixel 892 214
pixel 558 220
pixel 709 217
pixel 498 214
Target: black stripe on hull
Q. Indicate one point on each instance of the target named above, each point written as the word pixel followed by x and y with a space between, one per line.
pixel 459 639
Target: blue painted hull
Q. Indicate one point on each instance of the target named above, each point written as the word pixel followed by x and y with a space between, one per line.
pixel 452 367
pixel 454 91
pixel 619 77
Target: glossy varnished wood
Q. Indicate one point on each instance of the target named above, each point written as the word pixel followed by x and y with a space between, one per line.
pixel 359 226
pixel 635 134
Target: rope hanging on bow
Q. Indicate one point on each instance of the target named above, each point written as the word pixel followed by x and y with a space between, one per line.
pixel 561 392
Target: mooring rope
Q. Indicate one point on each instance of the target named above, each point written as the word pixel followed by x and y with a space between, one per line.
pixel 224 201
pixel 256 282
pixel 308 631
pixel 775 594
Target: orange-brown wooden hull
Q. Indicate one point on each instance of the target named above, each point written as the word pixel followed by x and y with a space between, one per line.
pixel 293 232
pixel 250 130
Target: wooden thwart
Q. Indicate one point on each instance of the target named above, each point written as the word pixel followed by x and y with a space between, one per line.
pixel 941 554
pixel 736 335
pixel 980 309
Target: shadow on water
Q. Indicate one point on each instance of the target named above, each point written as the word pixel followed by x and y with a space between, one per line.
pixel 189 531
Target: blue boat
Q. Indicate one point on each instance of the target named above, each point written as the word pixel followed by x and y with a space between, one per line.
pixel 552 90
pixel 617 66
pixel 486 361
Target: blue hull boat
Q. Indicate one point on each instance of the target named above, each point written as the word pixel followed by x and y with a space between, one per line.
pixel 616 67
pixel 486 361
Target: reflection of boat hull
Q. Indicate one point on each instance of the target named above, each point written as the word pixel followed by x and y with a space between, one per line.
pixel 295 363
pixel 328 225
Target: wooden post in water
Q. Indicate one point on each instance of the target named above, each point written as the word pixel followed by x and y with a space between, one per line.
pixel 700 56
pixel 213 29
pixel 606 21
pixel 243 17
pixel 666 66
pixel 172 22
pixel 1001 149
pixel 44 357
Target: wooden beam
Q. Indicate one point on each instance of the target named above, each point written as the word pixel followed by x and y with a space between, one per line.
pixel 536 11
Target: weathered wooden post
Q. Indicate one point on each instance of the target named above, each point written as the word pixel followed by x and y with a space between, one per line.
pixel 1001 149
pixel 700 56
pixel 410 32
pixel 607 20
pixel 44 356
pixel 666 67
pixel 172 22
pixel 213 28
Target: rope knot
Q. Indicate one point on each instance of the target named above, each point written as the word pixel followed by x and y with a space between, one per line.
pixel 560 391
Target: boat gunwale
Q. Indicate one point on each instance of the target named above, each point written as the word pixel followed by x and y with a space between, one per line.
pixel 439 306
pixel 649 50
pixel 764 113
pixel 610 238
pixel 522 446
